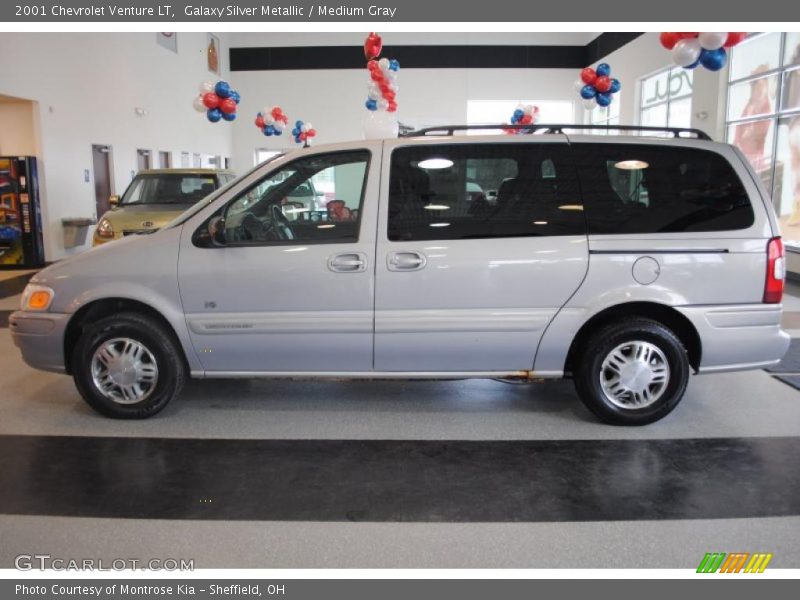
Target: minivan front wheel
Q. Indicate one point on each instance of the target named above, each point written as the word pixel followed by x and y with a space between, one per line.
pixel 632 373
pixel 127 366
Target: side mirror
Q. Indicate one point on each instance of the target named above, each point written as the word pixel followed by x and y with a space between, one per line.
pixel 216 231
pixel 113 201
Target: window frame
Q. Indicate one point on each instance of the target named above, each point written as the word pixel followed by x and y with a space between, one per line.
pixel 220 212
pixel 668 100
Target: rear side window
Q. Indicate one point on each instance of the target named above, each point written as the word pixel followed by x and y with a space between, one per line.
pixel 469 191
pixel 636 188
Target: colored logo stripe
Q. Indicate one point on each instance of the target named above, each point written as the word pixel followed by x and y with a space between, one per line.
pixel 734 562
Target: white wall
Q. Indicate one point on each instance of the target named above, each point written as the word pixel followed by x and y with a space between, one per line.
pixel 87 86
pixel 17 131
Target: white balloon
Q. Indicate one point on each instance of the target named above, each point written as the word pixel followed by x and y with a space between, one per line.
pixel 308 126
pixel 268 119
pixel 589 103
pixel 278 125
pixel 384 64
pixel 198 104
pixel 206 86
pixel 267 110
pixel 379 124
pixel 383 104
pixel 712 41
pixel 686 52
pixel 578 85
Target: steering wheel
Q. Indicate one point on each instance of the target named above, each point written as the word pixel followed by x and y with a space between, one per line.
pixel 283 230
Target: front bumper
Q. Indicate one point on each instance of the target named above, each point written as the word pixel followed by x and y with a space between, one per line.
pixel 40 337
pixel 738 337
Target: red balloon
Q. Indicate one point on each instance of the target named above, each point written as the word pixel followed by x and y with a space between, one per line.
pixel 389 94
pixel 260 121
pixel 210 100
pixel 602 84
pixel 392 107
pixel 228 106
pixel 373 46
pixel 303 135
pixel 311 133
pixel 588 76
pixel 685 35
pixel 526 120
pixel 668 39
pixel 377 76
pixel 734 37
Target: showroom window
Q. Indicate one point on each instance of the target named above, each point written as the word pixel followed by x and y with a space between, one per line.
pixel 632 188
pixel 763 119
pixel 313 199
pixel 482 191
pixel 608 115
pixel 489 112
pixel 262 155
pixel 666 98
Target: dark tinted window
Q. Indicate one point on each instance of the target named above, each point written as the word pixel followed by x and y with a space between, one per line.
pixel 483 191
pixel 633 188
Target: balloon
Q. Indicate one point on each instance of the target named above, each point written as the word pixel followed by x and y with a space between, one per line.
pixel 589 103
pixel 227 106
pixel 686 52
pixel 588 75
pixel 714 60
pixel 603 84
pixel 371 104
pixel 210 100
pixel 380 124
pixel 214 115
pixel 615 86
pixel 687 35
pixel 260 121
pixel 734 37
pixel 235 96
pixel 604 99
pixel 198 104
pixel 394 65
pixel 222 89
pixel 229 116
pixel 587 92
pixel 668 39
pixel 603 70
pixel 206 86
pixel 384 64
pixel 694 65
pixel 373 46
pixel 712 41
pixel 311 133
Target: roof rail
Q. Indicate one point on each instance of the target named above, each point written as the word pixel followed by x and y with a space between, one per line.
pixel 559 128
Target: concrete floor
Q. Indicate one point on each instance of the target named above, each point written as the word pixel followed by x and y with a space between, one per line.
pixel 726 405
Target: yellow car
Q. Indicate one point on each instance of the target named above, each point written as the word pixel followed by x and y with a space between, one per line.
pixel 154 198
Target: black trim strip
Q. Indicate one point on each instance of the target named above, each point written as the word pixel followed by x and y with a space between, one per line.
pixel 283 58
pixel 400 481
pixel 4 315
pixel 676 251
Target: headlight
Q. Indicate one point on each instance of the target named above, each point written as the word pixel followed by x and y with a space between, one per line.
pixel 104 229
pixel 36 297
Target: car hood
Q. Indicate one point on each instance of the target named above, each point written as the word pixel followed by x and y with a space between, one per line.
pixel 146 216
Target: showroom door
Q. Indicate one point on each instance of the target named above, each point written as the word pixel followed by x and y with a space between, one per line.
pixel 479 245
pixel 101 169
pixel 292 288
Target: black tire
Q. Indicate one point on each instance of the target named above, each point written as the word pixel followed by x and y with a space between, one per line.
pixel 156 338
pixel 602 342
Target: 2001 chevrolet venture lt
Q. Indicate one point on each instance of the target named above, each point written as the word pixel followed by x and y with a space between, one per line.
pixel 624 262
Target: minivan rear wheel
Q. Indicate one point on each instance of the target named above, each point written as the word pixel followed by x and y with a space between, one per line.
pixel 127 366
pixel 632 372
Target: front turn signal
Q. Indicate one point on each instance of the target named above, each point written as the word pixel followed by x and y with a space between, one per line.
pixel 37 298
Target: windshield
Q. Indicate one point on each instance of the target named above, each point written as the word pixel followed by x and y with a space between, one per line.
pixel 168 189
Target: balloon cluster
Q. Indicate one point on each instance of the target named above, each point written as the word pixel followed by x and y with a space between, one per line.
pixel 303 132
pixel 272 120
pixel 217 100
pixel 596 86
pixel 382 90
pixel 709 49
pixel 524 114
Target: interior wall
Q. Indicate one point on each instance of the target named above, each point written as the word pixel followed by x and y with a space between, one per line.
pixel 17 132
pixel 87 87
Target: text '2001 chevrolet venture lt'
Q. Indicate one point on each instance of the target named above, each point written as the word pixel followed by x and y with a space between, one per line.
pixel 624 262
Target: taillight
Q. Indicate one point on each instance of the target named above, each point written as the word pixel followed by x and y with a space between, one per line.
pixel 776 272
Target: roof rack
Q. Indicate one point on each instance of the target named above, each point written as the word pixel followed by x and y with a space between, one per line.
pixel 559 128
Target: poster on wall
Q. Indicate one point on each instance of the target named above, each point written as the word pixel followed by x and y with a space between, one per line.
pixel 168 40
pixel 213 54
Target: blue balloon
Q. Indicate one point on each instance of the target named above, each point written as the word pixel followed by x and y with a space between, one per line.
pixel 694 65
pixel 371 104
pixel 603 99
pixel 229 116
pixel 214 114
pixel 713 60
pixel 298 124
pixel 222 89
pixel 235 96
pixel 588 92
pixel 394 65
pixel 615 86
pixel 603 70
pixel 269 130
pixel 519 114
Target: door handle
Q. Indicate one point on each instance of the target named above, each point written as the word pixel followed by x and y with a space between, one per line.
pixel 348 262
pixel 406 261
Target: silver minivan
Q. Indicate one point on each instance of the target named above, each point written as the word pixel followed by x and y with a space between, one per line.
pixel 624 262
